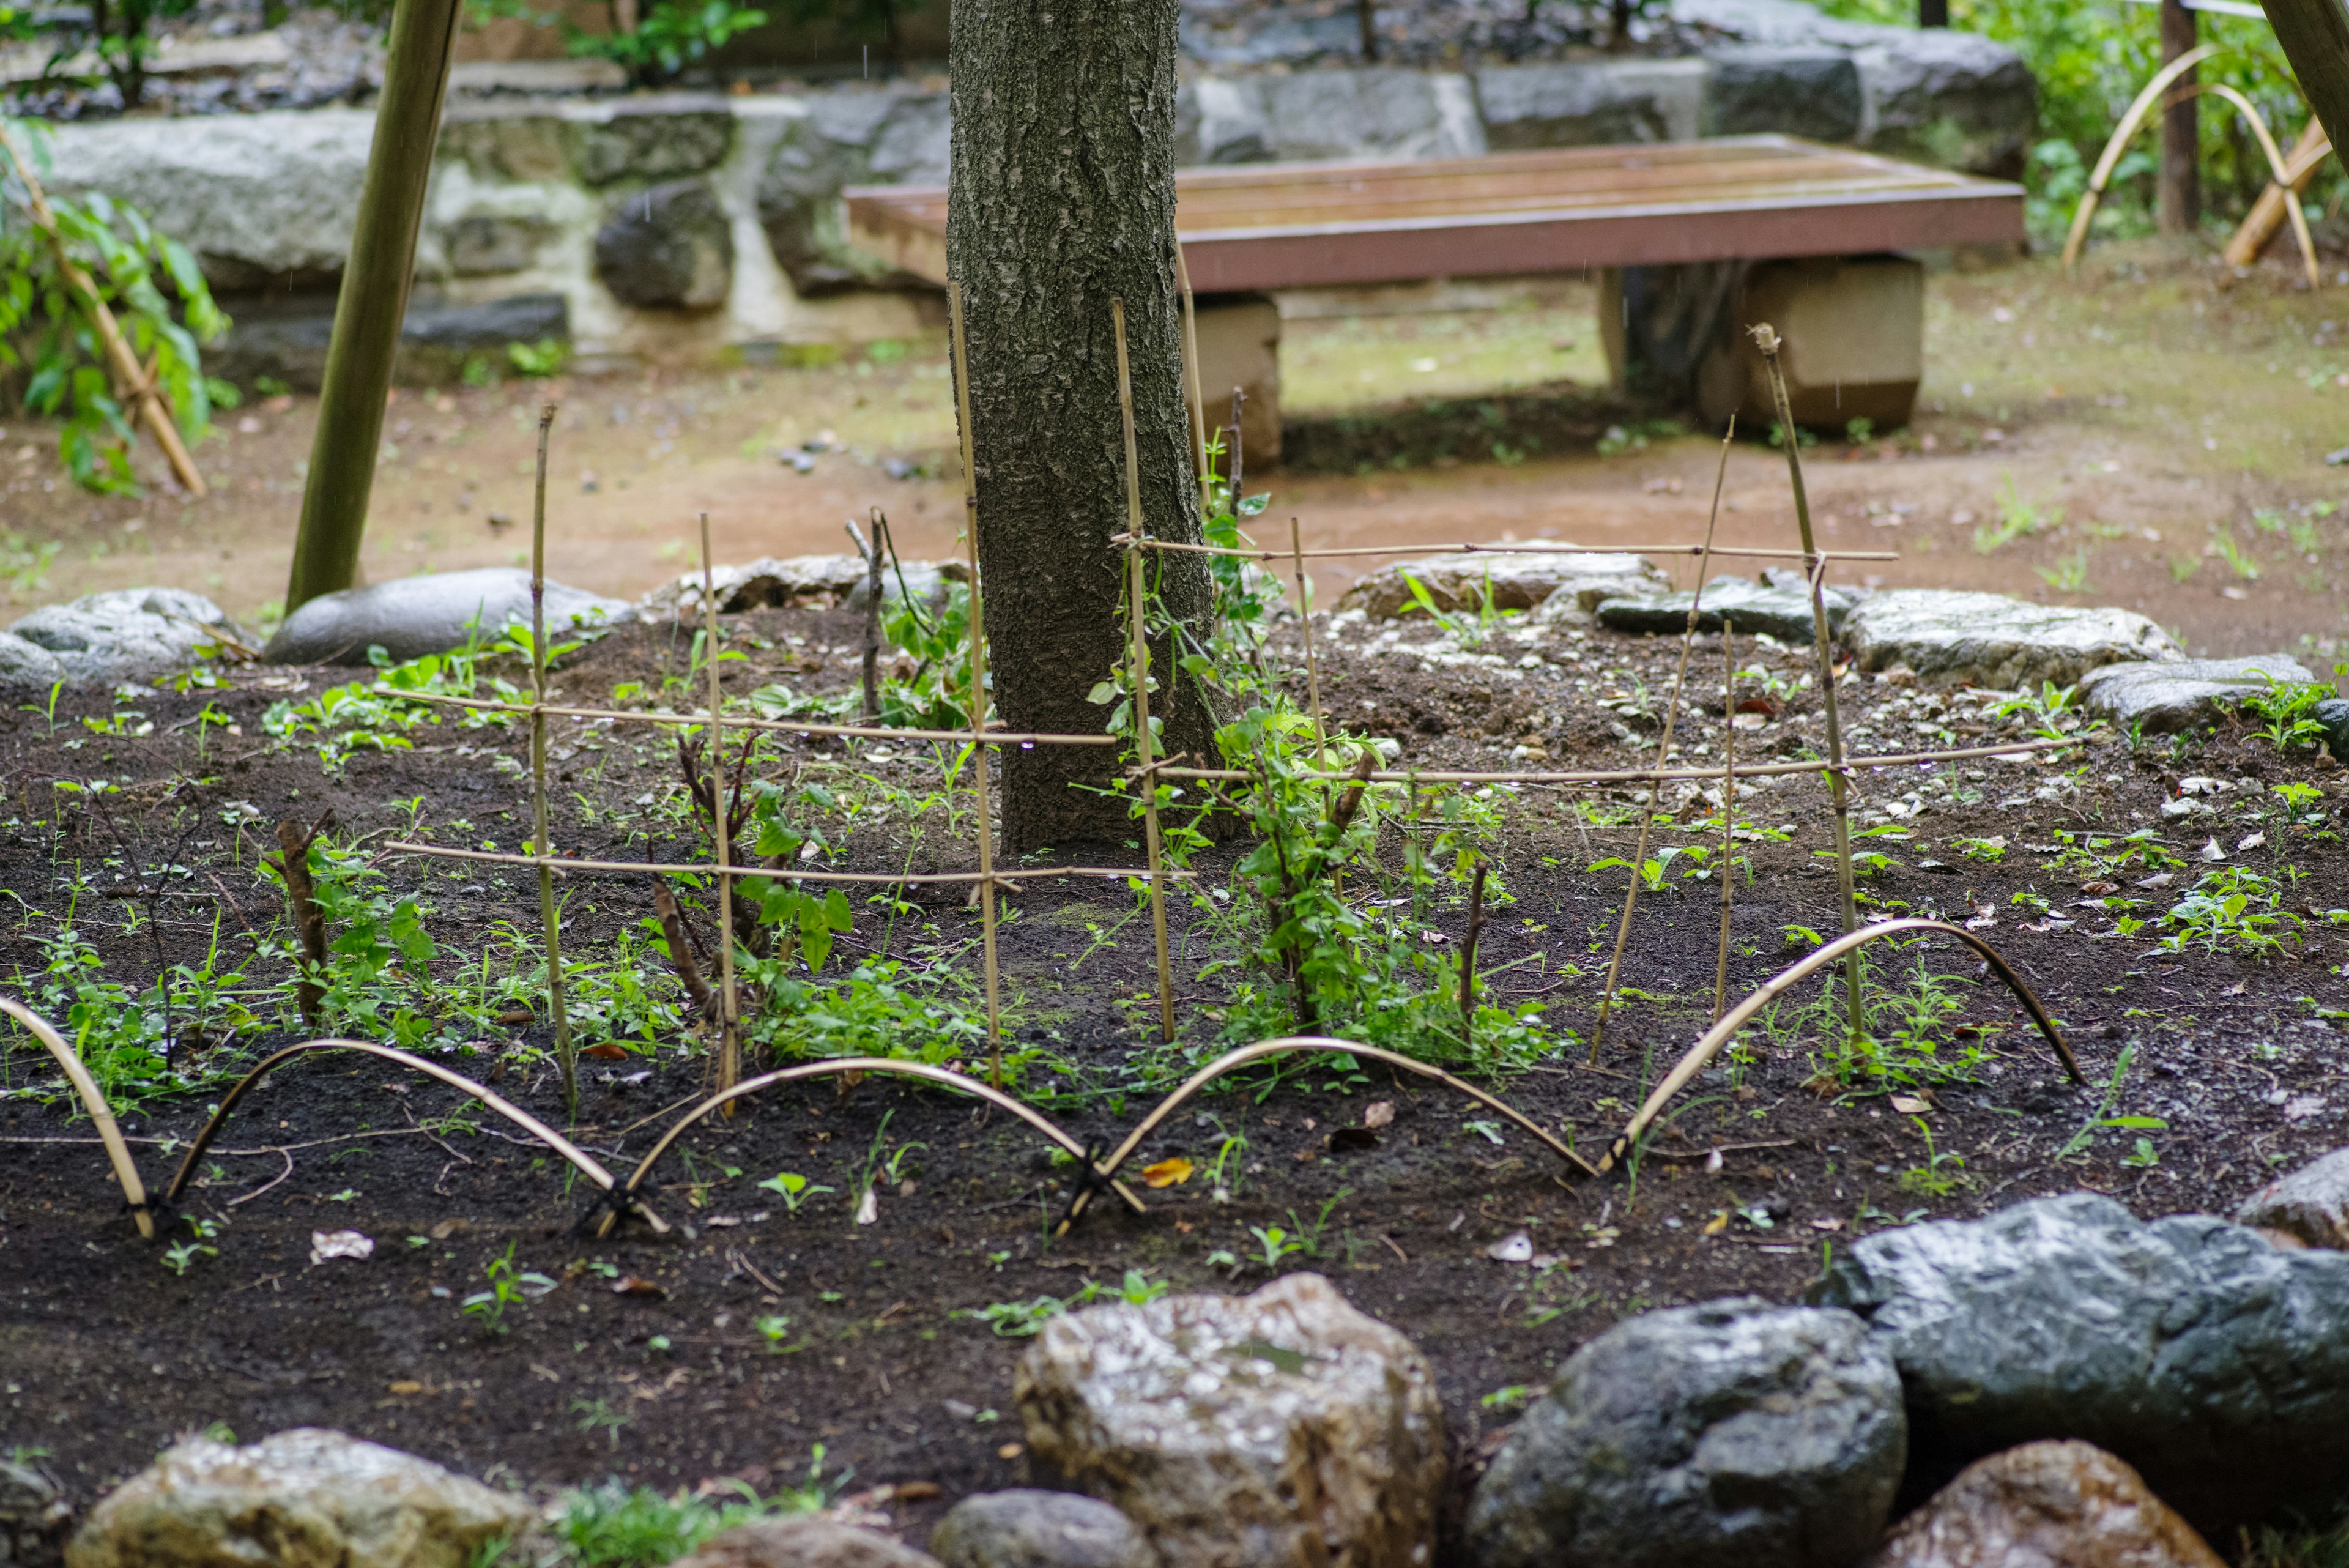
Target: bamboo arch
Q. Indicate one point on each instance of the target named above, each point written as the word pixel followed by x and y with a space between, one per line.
pixel 117 1153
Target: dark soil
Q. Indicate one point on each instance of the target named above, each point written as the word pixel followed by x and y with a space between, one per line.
pixel 105 1353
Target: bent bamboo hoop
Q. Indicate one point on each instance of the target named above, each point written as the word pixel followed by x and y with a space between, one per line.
pixel 1281 1047
pixel 1710 1043
pixel 2278 170
pixel 489 1097
pixel 134 1191
pixel 2144 104
pixel 922 1070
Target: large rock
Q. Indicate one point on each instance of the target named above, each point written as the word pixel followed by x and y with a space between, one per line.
pixel 806 1541
pixel 1373 112
pixel 34 1516
pixel 2213 1362
pixel 668 249
pixel 128 634
pixel 1590 103
pixel 288 338
pixel 1521 580
pixel 2179 694
pixel 1027 1529
pixel 652 141
pixel 2334 715
pixel 26 668
pixel 1736 1433
pixel 409 618
pixel 2046 1505
pixel 1941 95
pixel 1782 609
pixel 2311 1203
pixel 304 1499
pixel 808 582
pixel 1794 90
pixel 1988 640
pixel 854 137
pixel 1279 1428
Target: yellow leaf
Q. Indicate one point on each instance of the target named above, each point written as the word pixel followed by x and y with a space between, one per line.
pixel 1717 1224
pixel 1167 1173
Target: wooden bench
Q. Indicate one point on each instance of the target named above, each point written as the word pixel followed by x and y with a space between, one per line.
pixel 1691 242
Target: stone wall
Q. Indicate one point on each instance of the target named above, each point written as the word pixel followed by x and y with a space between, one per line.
pixel 680 226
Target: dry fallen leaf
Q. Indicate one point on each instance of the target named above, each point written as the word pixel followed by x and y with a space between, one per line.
pixel 1717 1224
pixel 1514 1248
pixel 1379 1114
pixel 1008 1451
pixel 1910 1106
pixel 1167 1173
pixel 632 1286
pixel 868 1209
pixel 607 1052
pixel 517 1016
pixel 406 1385
pixel 447 1228
pixel 326 1245
pixel 1827 1223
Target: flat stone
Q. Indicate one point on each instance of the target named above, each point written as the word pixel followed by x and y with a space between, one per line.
pixel 1027 1529
pixel 1590 103
pixel 128 634
pixel 1521 580
pixel 2046 1505
pixel 26 668
pixel 1735 1433
pixel 813 582
pixel 1282 1427
pixel 2215 1363
pixel 307 1498
pixel 1951 639
pixel 1791 90
pixel 2310 1204
pixel 409 617
pixel 2165 697
pixel 35 1516
pixel 805 1541
pixel 1781 612
pixel 537 76
pixel 670 247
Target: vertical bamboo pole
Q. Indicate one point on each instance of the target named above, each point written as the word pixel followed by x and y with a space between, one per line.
pixel 1814 567
pixel 979 752
pixel 1198 394
pixel 547 914
pixel 1137 577
pixel 1728 811
pixel 730 1015
pixel 1663 753
pixel 1312 666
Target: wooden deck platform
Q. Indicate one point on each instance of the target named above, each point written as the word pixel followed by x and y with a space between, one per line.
pixel 1298 225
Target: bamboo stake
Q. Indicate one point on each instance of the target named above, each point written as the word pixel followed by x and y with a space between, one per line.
pixel 1468 957
pixel 1136 619
pixel 978 689
pixel 1815 567
pixel 1312 666
pixel 138 386
pixel 1663 754
pixel 1198 393
pixel 547 913
pixel 1728 810
pixel 730 1007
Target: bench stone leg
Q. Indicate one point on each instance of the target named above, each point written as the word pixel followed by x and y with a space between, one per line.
pixel 1239 345
pixel 1853 328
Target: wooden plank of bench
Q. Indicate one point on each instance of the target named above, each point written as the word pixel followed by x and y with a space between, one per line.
pixel 1287 225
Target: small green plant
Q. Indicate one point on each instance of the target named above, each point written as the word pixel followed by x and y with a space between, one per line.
pixel 1942 1173
pixel 617 1526
pixel 182 1255
pixel 2233 552
pixel 672 34
pixel 507 1288
pixel 2289 710
pixel 1017 1320
pixel 1273 1245
pixel 1859 431
pixel 792 1190
pixel 600 1415
pixel 2069 574
pixel 775 1328
pixel 1510 1398
pixel 1468 629
pixel 2017 519
pixel 540 360
pixel 2103 1115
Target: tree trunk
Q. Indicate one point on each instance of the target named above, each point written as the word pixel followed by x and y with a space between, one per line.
pixel 1064 199
pixel 1932 12
pixel 2315 38
pixel 2181 131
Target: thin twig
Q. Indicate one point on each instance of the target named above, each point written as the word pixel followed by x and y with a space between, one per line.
pixel 681 950
pixel 1728 811
pixel 548 915
pixel 978 688
pixel 729 1046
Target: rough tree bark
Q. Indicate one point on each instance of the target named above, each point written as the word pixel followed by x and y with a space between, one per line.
pixel 2315 38
pixel 2180 191
pixel 1062 198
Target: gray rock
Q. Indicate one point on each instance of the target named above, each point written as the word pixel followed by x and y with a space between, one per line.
pixel 2046 1505
pixel 2334 715
pixel 668 249
pixel 409 617
pixel 288 338
pixel 2215 1363
pixel 1521 580
pixel 26 668
pixel 129 634
pixel 807 1541
pixel 483 245
pixel 1737 1434
pixel 1590 103
pixel 1950 637
pixel 1219 121
pixel 1791 90
pixel 1028 1528
pixel 858 137
pixel 1780 611
pixel 304 1499
pixel 1285 38
pixel 504 143
pixel 1589 580
pixel 34 1517
pixel 1279 1428
pixel 2311 1203
pixel 1940 95
pixel 816 582
pixel 652 141
pixel 2179 694
pixel 1371 113
pixel 489 324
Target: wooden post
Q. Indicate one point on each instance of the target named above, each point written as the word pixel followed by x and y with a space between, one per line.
pixel 1932 12
pixel 547 912
pixel 730 1013
pixel 1137 579
pixel 373 301
pixel 2181 128
pixel 978 753
pixel 2315 38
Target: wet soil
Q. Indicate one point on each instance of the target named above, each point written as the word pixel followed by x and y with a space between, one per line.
pixel 105 1353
